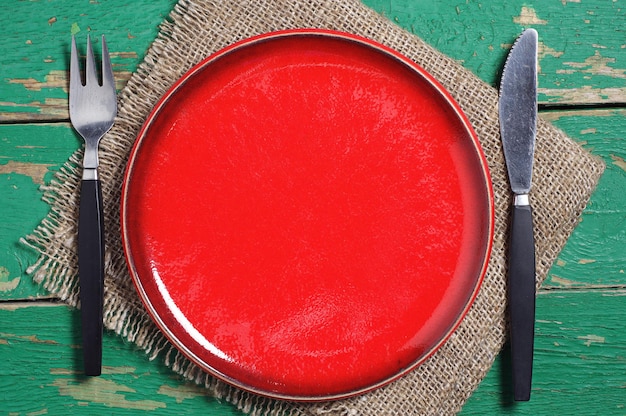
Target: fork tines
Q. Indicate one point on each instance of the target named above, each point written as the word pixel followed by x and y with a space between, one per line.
pixel 91 76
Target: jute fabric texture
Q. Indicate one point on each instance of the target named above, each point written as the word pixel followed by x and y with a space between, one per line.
pixel 564 177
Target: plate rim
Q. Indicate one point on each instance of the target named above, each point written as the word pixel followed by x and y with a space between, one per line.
pixel 306 32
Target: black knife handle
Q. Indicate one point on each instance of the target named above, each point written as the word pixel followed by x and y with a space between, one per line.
pixel 91 273
pixel 522 300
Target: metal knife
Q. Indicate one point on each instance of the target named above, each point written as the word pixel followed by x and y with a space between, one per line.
pixel 518 126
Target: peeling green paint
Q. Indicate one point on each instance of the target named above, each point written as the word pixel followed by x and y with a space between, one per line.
pixel 182 392
pixel 528 16
pixel 74 29
pixel 619 162
pixel 592 339
pixel 104 391
pixel 6 282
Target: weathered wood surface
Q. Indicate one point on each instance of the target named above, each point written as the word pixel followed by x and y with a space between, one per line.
pixel 40 346
pixel 581 330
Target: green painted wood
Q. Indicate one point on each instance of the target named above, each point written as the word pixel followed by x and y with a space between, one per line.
pixel 29 156
pixel 582 43
pixel 595 254
pixel 580 359
pixel 35 44
pixel 580 355
pixel 38 372
pixel 581 61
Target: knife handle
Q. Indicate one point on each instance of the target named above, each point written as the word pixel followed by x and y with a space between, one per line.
pixel 91 273
pixel 522 299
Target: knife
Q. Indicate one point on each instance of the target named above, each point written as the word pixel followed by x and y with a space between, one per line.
pixel 518 126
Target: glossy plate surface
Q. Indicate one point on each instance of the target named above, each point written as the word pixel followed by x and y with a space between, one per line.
pixel 307 215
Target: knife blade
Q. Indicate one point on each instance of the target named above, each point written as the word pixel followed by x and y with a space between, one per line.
pixel 517 110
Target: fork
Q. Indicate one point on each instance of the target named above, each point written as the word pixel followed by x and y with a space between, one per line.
pixel 93 108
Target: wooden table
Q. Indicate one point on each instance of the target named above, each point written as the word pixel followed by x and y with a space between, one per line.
pixel 580 364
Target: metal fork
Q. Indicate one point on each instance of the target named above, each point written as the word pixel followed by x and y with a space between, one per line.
pixel 93 107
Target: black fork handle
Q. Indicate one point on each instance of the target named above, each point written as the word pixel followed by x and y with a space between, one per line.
pixel 91 273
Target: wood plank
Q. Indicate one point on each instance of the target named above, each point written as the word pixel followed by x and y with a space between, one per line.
pixel 31 153
pixel 580 359
pixel 39 371
pixel 583 66
pixel 594 256
pixel 582 58
pixel 29 156
pixel 580 350
pixel 35 44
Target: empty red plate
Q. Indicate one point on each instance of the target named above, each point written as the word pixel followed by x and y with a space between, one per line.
pixel 307 215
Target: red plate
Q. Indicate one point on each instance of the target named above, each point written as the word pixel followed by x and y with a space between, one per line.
pixel 307 215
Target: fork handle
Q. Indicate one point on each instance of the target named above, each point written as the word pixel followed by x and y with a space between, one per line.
pixel 91 273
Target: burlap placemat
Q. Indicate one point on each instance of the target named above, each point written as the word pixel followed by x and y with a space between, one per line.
pixel 564 178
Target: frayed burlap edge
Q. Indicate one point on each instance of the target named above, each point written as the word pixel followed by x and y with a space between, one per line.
pixel 565 175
